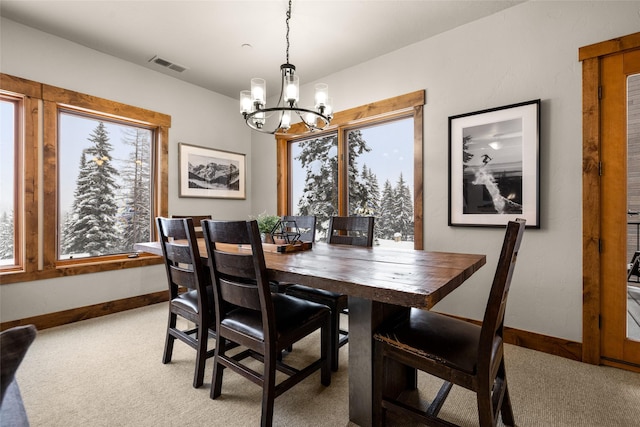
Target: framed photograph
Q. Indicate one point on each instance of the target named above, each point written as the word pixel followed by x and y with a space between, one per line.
pixel 494 166
pixel 205 172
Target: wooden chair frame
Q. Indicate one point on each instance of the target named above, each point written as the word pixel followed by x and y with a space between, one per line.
pixel 487 378
pixel 246 315
pixel 185 271
pixel 354 231
pixel 197 222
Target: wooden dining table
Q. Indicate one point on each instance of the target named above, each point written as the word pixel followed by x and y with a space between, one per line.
pixel 381 282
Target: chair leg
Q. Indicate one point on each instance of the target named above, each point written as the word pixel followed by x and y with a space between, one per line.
pixel 268 389
pixel 201 355
pixel 168 343
pixel 335 340
pixel 218 369
pixel 506 410
pixel 325 350
pixel 485 407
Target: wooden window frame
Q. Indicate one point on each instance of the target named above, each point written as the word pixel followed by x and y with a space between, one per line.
pixel 403 106
pixel 38 248
pixel 19 104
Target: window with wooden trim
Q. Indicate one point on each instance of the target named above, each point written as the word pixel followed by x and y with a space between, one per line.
pixel 95 177
pixel 11 179
pixel 368 163
pixel 105 171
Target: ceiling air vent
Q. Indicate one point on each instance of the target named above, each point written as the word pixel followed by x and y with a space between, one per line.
pixel 168 64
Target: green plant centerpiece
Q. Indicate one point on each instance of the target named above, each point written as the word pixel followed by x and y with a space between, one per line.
pixel 266 223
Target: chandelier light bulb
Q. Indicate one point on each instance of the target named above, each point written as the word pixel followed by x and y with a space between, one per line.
pixel 259 91
pixel 292 91
pixel 328 108
pixel 246 103
pixel 310 117
pixel 285 121
pixel 322 94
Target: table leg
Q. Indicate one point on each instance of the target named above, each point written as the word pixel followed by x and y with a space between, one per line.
pixel 364 317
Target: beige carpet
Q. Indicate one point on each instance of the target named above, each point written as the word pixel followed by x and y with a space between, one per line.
pixel 108 372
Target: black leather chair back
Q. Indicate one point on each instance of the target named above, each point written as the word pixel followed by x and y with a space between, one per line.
pixel 306 226
pixel 351 230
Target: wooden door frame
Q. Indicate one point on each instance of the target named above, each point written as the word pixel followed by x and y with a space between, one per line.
pixel 591 57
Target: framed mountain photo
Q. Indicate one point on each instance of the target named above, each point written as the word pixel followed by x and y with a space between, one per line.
pixel 210 173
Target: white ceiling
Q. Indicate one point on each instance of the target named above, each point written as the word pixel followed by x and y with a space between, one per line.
pixel 207 36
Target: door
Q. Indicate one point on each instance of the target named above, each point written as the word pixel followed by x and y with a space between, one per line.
pixel 619 202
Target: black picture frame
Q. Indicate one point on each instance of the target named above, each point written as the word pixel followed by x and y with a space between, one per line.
pixel 494 166
pixel 210 173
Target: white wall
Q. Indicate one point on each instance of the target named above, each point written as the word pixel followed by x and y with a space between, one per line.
pixel 199 117
pixel 526 52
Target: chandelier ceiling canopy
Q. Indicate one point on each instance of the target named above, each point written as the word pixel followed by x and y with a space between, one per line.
pixel 278 119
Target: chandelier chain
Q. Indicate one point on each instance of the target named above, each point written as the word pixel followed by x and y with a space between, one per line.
pixel 287 22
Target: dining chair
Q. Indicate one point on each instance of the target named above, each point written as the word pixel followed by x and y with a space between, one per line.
pixel 261 322
pixel 197 219
pixel 354 231
pixel 190 292
pixel 459 352
pixel 305 225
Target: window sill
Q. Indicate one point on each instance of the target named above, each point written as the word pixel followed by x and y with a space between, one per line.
pixel 85 266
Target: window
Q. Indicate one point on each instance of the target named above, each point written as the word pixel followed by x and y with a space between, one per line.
pixel 9 142
pixel 90 175
pixel 105 169
pixel 381 178
pixel 362 166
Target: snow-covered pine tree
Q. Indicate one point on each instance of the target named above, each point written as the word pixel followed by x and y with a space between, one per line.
pixel 319 159
pixel 6 236
pixel 370 181
pixel 358 191
pixel 135 218
pixel 403 209
pixel 386 219
pixel 92 227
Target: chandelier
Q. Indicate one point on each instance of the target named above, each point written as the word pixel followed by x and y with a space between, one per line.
pixel 273 119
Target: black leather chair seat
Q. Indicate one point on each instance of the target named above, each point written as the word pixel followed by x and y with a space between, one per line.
pixel 435 336
pixel 187 300
pixel 337 303
pixel 290 313
pixel 331 299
